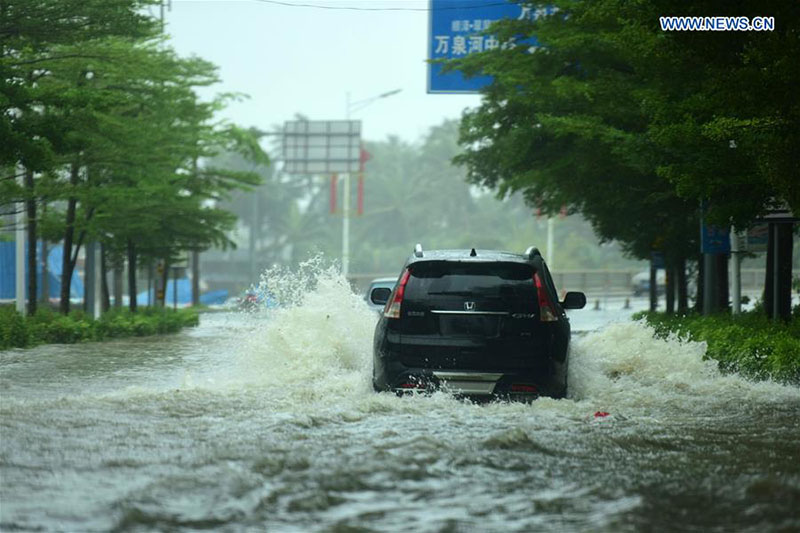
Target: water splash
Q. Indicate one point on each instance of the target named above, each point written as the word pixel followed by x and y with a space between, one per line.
pixel 625 366
pixel 317 340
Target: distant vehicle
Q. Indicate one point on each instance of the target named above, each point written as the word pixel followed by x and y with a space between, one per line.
pixel 640 283
pixel 478 323
pixel 252 300
pixel 379 291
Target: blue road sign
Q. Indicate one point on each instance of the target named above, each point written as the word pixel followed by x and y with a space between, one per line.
pixel 714 239
pixel 458 28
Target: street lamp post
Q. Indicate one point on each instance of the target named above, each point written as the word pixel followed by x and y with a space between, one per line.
pixel 352 107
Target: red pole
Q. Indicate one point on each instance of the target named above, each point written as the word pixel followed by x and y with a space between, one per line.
pixel 360 193
pixel 334 180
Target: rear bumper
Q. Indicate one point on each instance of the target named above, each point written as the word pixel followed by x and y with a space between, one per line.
pixel 395 377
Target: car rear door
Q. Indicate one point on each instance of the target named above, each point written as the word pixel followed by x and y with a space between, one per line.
pixel 471 316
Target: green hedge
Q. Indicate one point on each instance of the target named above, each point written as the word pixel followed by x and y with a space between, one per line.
pixel 749 343
pixel 47 326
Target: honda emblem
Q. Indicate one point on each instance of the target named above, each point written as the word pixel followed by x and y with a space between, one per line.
pixel 469 306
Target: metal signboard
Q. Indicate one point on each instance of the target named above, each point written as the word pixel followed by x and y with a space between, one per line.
pixel 321 146
pixel 458 28
pixel 714 239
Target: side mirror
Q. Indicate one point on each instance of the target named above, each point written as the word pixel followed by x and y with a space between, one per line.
pixel 380 295
pixel 574 300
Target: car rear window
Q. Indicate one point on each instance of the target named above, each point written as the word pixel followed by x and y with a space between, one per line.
pixel 491 280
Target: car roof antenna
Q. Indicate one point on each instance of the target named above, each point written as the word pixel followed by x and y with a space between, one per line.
pixel 473 253
pixel 418 250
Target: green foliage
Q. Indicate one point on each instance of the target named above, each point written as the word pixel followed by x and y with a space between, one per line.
pixel 625 122
pixel 749 343
pixel 108 119
pixel 47 326
pixel 13 329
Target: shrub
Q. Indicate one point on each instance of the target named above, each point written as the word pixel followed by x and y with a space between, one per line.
pixel 67 330
pixel 13 329
pixel 748 343
pixel 47 326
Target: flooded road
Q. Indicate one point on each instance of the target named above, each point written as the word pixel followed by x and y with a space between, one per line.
pixel 268 423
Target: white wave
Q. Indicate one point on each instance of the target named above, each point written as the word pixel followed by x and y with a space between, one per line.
pixel 317 342
pixel 624 366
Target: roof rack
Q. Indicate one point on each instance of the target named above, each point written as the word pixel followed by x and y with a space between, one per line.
pixel 418 250
pixel 532 252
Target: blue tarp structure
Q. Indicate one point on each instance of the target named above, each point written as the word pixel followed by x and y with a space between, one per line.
pixel 8 272
pixel 214 297
pixel 184 294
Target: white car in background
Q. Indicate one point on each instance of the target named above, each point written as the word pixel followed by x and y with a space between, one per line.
pixel 378 292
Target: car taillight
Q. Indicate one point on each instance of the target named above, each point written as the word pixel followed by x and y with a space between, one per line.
pixel 524 388
pixel 547 311
pixel 392 309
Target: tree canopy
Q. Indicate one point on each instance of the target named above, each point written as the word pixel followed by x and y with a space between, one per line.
pixel 105 122
pixel 624 121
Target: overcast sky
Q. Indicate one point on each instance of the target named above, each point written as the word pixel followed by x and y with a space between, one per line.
pixel 305 60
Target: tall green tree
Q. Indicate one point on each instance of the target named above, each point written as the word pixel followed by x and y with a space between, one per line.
pixel 109 121
pixel 626 123
pixel 33 34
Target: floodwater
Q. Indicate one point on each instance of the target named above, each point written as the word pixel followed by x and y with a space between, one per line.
pixel 267 422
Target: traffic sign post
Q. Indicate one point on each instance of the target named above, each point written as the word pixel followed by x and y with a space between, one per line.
pixel 714 239
pixel 715 245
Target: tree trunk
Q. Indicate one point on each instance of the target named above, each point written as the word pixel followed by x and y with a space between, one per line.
pixel 45 275
pixel 653 287
pixel 105 301
pixel 779 271
pixel 670 288
pixel 701 279
pixel 161 284
pixel 195 278
pixel 89 273
pixel 69 233
pixel 151 290
pixel 118 273
pixel 131 276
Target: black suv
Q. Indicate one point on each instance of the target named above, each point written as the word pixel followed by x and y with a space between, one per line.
pixel 476 322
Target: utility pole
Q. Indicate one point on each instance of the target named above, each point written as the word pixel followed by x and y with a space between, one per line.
pixel 352 106
pixel 161 11
pixel 20 248
pixel 346 206
pixel 195 277
pixel 89 294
